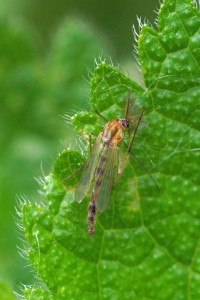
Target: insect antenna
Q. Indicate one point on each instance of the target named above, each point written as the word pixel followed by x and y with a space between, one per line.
pixel 127 110
pixel 127 106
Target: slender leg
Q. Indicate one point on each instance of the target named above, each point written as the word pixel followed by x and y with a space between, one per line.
pixel 135 131
pixel 101 116
pixel 141 165
pixel 90 142
pixel 137 159
pixel 71 175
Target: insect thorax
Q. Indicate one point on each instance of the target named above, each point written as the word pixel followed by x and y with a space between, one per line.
pixel 113 132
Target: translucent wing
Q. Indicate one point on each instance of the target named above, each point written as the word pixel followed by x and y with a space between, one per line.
pixel 108 177
pixel 88 173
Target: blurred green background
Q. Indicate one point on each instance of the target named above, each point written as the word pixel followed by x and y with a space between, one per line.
pixel 47 49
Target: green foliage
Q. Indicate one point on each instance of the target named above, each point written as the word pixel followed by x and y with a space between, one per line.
pixel 146 244
pixel 5 292
pixel 29 88
pixel 70 57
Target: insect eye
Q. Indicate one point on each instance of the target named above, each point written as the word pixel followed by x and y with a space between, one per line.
pixel 125 123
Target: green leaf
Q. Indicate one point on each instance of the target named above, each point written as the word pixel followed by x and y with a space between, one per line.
pixel 146 244
pixel 109 90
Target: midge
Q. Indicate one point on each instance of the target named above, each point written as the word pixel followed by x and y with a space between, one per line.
pixel 103 166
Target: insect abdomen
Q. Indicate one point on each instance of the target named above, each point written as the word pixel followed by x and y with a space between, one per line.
pixel 92 204
pixel 91 216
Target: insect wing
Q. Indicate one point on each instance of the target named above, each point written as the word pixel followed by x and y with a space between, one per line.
pixel 88 173
pixel 108 177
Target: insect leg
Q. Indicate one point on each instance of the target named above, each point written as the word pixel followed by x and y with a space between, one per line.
pixel 135 131
pixel 141 165
pixel 71 175
pixel 101 116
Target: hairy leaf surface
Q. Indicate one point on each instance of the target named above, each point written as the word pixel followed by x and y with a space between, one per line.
pixel 146 244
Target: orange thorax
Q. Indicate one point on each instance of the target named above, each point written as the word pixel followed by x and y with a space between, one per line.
pixel 112 132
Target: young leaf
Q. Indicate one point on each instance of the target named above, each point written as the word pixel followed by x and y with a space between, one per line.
pixel 146 244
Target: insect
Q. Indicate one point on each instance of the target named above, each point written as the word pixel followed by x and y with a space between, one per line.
pixel 103 166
